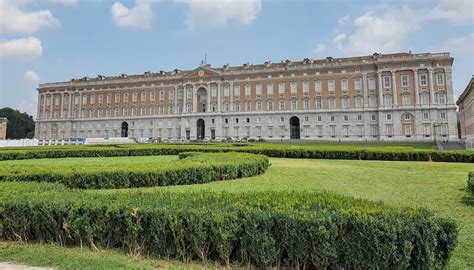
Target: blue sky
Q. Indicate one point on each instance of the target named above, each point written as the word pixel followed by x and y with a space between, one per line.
pixel 56 40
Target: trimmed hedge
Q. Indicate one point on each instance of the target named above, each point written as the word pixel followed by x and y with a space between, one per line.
pixel 192 168
pixel 270 229
pixel 281 151
pixel 470 181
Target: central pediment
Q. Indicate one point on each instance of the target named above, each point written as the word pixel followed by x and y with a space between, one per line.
pixel 201 72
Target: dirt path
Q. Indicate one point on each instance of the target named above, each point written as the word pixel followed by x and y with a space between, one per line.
pixel 9 266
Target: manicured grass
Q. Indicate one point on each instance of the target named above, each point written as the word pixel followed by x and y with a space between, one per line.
pixel 440 187
pixel 47 255
pixel 378 144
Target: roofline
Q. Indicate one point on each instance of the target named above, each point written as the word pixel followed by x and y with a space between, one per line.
pixel 464 93
pixel 226 68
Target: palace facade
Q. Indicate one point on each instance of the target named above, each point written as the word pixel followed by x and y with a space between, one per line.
pixel 402 97
pixel 466 114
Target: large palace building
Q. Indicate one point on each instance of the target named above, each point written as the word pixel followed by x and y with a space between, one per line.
pixel 400 96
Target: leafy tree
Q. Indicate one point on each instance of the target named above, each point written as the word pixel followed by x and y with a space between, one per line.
pixel 20 124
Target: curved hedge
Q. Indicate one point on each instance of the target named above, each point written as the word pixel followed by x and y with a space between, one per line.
pixel 281 151
pixel 192 168
pixel 270 229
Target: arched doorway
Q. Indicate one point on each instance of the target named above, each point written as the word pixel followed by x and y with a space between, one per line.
pixel 294 128
pixel 202 100
pixel 200 131
pixel 124 132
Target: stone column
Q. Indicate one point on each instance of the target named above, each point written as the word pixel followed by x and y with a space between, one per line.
pixel 185 97
pixel 176 94
pixel 194 105
pixel 365 90
pixel 417 87
pixel 70 104
pixel 448 80
pixel 51 105
pixel 208 98
pixel 61 105
pixel 231 94
pixel 432 96
pixel 38 110
pixel 218 97
pixel 380 87
pixel 80 105
pixel 394 87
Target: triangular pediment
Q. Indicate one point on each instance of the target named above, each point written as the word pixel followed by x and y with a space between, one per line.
pixel 201 72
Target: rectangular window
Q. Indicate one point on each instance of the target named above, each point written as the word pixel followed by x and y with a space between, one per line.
pixel 357 84
pixel 388 100
pixel 226 90
pixel 333 118
pixel 162 94
pixel 426 116
pixel 389 130
pixel 305 104
pixel 143 96
pixel 258 89
pixel 406 99
pixel 319 118
pixel 371 83
pixel 281 88
pixel 259 105
pixel 345 102
pixel 247 90
pixel 319 103
pixel 346 118
pixel 408 130
pixel 358 102
pixel 440 79
pixel 305 86
pixel 331 86
pixel 270 89
pixel 443 115
pixel 109 98
pixel 125 97
pixel 373 117
pixel 282 105
pixel 117 98
pixel 332 103
pixel 237 106
pixel 359 117
pixel 318 86
pixel 388 117
pixel 293 104
pixel 423 80
pixel 247 106
pixel 236 90
pixel 214 90
pixel 293 88
pixel 134 97
pixel 270 105
pixel 386 81
pixel 344 85
pixel 100 99
pixel 404 80
pixel 152 96
pixel 189 93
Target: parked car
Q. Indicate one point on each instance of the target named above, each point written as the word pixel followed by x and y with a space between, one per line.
pixel 261 140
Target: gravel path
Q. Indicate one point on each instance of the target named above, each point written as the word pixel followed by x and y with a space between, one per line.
pixel 9 266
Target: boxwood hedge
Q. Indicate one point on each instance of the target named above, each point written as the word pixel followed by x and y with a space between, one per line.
pixel 270 229
pixel 192 168
pixel 282 151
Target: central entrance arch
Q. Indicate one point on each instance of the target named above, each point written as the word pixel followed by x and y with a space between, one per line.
pixel 124 132
pixel 201 95
pixel 294 128
pixel 200 130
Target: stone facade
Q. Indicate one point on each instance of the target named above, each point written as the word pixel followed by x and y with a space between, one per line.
pixel 402 97
pixel 3 128
pixel 466 114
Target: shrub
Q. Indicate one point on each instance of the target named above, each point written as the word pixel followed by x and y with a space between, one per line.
pixel 270 229
pixel 192 168
pixel 282 151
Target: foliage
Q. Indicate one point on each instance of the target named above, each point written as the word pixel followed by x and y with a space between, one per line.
pixel 271 150
pixel 470 181
pixel 192 168
pixel 284 229
pixel 20 125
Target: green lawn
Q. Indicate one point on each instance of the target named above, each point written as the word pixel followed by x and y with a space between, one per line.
pixel 440 187
pixel 413 145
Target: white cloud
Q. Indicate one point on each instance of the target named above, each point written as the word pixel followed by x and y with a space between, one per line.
pixel 320 47
pixel 68 3
pixel 31 76
pixel 385 28
pixel 337 40
pixel 455 11
pixel 218 13
pixel 463 44
pixel 15 20
pixel 343 20
pixel 22 48
pixel 139 16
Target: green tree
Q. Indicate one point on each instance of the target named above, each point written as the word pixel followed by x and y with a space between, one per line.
pixel 20 124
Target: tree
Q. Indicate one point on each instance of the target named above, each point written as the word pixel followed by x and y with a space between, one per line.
pixel 20 125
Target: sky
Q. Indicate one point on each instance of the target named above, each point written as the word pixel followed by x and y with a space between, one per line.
pixel 56 40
